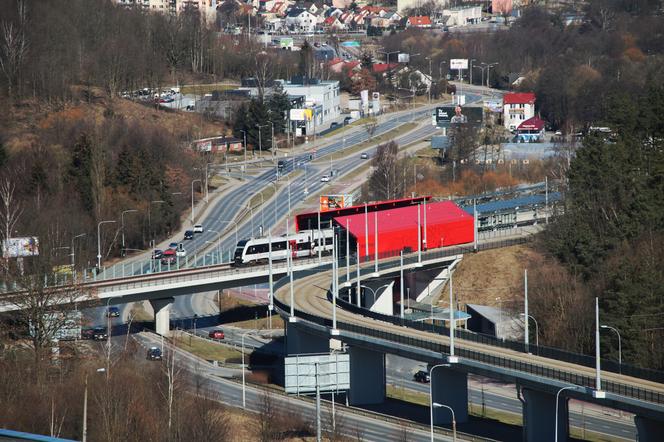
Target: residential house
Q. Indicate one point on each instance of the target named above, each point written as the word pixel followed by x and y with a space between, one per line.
pixel 418 21
pixel 301 21
pixel 332 23
pixel 517 108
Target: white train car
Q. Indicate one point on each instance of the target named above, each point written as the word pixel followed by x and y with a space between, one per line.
pixel 303 244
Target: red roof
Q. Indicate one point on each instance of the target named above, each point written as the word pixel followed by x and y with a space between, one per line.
pixel 419 20
pixel 519 98
pixel 330 20
pixel 534 123
pixel 383 67
pixel 447 224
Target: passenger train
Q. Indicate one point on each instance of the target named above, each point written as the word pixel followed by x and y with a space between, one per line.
pixel 303 244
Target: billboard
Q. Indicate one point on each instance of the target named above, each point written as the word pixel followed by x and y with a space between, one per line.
pixel 449 115
pixel 301 114
pixel 330 371
pixel 459 63
pixel 403 58
pixel 20 247
pixel 331 202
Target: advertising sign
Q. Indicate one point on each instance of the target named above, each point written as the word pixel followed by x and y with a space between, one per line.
pixel 300 114
pixel 330 371
pixel 204 145
pixel 20 247
pixel 459 63
pixel 331 202
pixel 448 115
pixel 403 58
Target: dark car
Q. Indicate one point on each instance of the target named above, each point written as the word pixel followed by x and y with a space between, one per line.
pixel 348 120
pixel 113 312
pixel 189 234
pixel 99 334
pixel 154 354
pixel 281 164
pixel 88 333
pixel 422 376
pixel 156 254
pixel 334 124
pixel 216 334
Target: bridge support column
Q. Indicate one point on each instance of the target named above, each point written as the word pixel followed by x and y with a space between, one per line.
pixel 449 387
pixel 648 430
pixel 298 342
pixel 367 376
pixel 162 318
pixel 539 416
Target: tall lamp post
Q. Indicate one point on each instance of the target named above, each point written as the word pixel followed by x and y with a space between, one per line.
pixel 244 393
pixel 99 242
pixel 73 254
pixel 536 329
pixel 433 404
pixel 260 142
pixel 193 213
pixel 570 387
pixel 149 219
pixel 608 327
pixel 122 224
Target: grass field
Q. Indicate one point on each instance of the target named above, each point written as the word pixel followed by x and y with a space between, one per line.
pixel 205 349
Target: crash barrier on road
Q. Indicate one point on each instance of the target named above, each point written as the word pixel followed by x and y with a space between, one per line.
pixel 547 352
pixel 614 387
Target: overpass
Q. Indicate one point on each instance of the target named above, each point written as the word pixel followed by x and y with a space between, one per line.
pixel 368 336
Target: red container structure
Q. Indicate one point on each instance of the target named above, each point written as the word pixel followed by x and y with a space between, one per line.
pixel 446 225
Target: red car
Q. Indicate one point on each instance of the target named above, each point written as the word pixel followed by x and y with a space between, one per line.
pixel 168 257
pixel 216 334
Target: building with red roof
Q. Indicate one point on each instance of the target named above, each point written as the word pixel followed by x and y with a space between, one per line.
pixel 380 68
pixel 418 21
pixel 444 224
pixel 517 108
pixel 530 130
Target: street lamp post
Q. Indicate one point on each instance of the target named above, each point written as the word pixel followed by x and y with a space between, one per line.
pixel 244 135
pixel 244 394
pixel 193 213
pixel 149 219
pixel 570 387
pixel 73 254
pixel 260 142
pixel 433 404
pixel 122 223
pixel 608 327
pixel 373 292
pixel 488 72
pixel 99 242
pixel 536 329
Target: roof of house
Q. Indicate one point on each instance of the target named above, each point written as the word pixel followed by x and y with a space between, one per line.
pixel 296 12
pixel 534 123
pixel 330 20
pixel 419 20
pixel 383 67
pixel 519 98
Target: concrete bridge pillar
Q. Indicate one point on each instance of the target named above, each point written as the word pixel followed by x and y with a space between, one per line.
pixel 449 387
pixel 299 342
pixel 367 376
pixel 162 319
pixel 648 430
pixel 539 416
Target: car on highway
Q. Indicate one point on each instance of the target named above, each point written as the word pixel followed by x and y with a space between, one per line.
pixel 188 234
pixel 173 245
pixel 198 228
pixel 334 125
pixel 113 312
pixel 364 156
pixel 422 376
pixel 281 164
pixel 88 333
pixel 154 354
pixel 216 334
pixel 99 333
pixel 325 179
pixel 169 257
pixel 156 254
pixel 180 251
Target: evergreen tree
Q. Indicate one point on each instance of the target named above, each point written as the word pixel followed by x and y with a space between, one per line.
pixel 278 107
pixel 3 154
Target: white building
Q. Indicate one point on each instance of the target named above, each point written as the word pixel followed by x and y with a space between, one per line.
pixel 462 16
pixel 323 95
pixel 301 20
pixel 517 108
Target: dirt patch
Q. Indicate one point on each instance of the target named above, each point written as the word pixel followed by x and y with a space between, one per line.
pixel 482 277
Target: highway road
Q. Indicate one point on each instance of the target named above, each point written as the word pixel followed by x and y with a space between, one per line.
pixel 352 424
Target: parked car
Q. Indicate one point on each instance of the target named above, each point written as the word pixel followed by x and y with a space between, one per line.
pixel 156 254
pixel 154 354
pixel 348 120
pixel 180 251
pixel 364 156
pixel 334 125
pixel 422 376
pixel 88 333
pixel 169 257
pixel 99 334
pixel 325 179
pixel 189 234
pixel 113 312
pixel 216 334
pixel 198 228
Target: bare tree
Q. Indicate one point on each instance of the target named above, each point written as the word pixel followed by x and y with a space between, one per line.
pixel 14 47
pixel 11 209
pixel 387 179
pixel 267 425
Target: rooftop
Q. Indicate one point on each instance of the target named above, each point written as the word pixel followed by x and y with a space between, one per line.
pixel 519 98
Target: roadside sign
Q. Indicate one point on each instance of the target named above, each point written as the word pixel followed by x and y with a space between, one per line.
pixel 331 371
pixel 459 63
